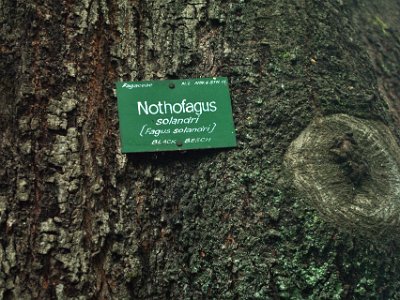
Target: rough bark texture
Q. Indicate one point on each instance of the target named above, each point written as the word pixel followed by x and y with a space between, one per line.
pixel 79 220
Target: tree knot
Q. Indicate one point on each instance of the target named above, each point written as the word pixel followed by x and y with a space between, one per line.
pixel 349 169
pixel 347 153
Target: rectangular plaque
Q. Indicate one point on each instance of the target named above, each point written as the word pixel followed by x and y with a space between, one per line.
pixel 168 115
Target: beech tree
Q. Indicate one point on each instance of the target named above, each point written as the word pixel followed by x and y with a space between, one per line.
pixel 305 207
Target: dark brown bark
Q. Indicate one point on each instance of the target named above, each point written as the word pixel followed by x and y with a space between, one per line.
pixel 79 220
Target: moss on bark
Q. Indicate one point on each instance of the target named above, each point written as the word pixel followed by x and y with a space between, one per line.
pixel 79 220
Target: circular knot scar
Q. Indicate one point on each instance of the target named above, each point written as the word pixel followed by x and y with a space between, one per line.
pixel 349 170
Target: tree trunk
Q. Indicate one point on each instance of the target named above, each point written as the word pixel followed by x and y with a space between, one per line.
pixel 80 220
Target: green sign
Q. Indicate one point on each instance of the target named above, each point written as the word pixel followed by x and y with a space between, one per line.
pixel 175 115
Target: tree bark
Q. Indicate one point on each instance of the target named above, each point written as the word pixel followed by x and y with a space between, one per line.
pixel 80 220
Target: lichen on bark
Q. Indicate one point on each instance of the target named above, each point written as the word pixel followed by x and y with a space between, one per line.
pixel 80 220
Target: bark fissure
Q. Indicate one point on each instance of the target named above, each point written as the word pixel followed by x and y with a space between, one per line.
pixel 80 220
